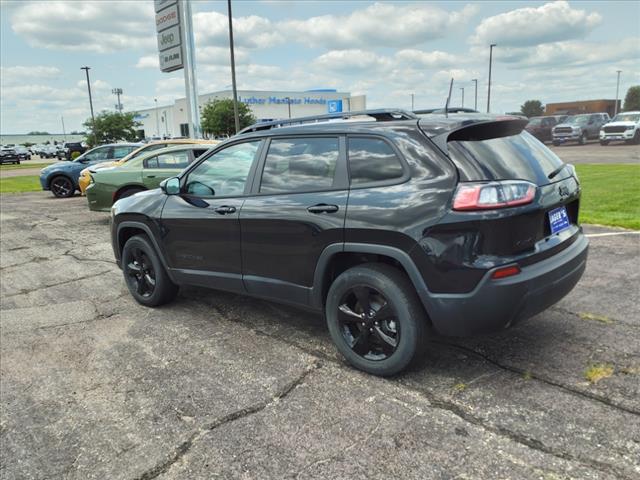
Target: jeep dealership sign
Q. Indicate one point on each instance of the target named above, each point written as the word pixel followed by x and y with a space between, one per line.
pixel 169 38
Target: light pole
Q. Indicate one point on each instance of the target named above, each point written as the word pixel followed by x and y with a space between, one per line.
pixel 93 118
pixel 289 105
pixel 157 120
pixel 118 92
pixel 412 95
pixel 489 86
pixel 475 101
pixel 64 134
pixel 166 127
pixel 233 70
pixel 462 89
pixel 615 112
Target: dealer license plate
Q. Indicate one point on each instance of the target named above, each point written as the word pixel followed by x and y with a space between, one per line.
pixel 558 219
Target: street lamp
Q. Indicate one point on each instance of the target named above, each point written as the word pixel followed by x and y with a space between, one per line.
pixel 93 119
pixel 118 92
pixel 489 86
pixel 236 116
pixel 462 89
pixel 289 105
pixel 617 91
pixel 412 95
pixel 157 120
pixel 475 101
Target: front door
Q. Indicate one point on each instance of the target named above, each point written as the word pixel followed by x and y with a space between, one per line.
pixel 296 210
pixel 201 225
pixel 159 167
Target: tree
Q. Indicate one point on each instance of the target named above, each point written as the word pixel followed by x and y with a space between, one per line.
pixel 111 127
pixel 217 117
pixel 632 99
pixel 532 108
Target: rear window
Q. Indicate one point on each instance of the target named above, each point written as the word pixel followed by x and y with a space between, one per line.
pixel 372 160
pixel 300 164
pixel 514 157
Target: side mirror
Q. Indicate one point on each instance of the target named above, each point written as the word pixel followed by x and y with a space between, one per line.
pixel 171 186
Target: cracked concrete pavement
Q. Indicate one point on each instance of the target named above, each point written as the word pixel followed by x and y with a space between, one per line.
pixel 217 385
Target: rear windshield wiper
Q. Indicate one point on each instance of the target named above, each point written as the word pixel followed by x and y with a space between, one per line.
pixel 557 171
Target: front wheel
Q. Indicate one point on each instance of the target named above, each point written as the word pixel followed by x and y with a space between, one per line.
pixel 376 319
pixel 604 143
pixel 583 139
pixel 62 187
pixel 144 274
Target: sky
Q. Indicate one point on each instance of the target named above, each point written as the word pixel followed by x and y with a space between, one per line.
pixel 551 51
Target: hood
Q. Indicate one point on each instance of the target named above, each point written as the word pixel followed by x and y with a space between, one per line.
pixel 621 124
pixel 60 167
pixel 569 125
pixel 100 166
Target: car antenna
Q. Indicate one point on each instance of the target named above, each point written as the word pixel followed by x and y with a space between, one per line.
pixel 446 105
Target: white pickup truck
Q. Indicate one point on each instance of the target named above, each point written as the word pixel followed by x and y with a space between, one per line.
pixel 624 127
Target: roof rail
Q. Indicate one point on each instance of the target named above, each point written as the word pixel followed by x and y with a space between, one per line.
pixel 381 115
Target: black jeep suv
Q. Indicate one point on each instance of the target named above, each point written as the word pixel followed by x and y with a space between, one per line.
pixel 390 224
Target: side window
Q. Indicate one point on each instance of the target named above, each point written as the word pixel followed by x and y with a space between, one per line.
pixel 119 152
pixel 372 160
pixel 223 173
pixel 300 164
pixel 98 154
pixel 177 160
pixel 151 162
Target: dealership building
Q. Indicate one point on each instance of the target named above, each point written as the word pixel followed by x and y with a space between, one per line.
pixel 172 121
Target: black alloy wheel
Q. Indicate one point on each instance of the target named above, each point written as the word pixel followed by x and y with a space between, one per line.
pixel 62 187
pixel 140 273
pixel 376 319
pixel 368 323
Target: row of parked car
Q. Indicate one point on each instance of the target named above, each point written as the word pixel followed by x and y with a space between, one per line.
pixel 561 129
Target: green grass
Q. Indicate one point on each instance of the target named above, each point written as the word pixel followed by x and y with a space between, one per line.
pixel 12 166
pixel 610 194
pixel 27 183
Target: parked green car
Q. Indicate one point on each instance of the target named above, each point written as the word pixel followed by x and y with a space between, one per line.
pixel 138 174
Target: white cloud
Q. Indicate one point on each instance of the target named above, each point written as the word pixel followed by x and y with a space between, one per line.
pixel 420 58
pixel 149 61
pixel 548 23
pixel 380 24
pixel 99 27
pixel 212 29
pixel 20 73
pixel 352 61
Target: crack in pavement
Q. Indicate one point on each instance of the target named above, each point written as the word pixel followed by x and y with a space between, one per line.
pixel 615 321
pixel 580 393
pixel 185 446
pixel 458 411
pixel 31 290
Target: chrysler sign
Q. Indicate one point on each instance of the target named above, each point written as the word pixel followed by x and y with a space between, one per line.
pixel 169 38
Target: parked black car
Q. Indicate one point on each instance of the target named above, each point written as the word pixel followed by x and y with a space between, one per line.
pixel 9 155
pixel 462 224
pixel 540 127
pixel 71 147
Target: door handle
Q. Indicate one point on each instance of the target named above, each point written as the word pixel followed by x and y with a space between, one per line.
pixel 323 208
pixel 224 209
pixel 151 176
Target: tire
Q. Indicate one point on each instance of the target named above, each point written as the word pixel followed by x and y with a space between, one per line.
pixel 604 143
pixel 62 186
pixel 636 138
pixel 583 139
pixel 146 278
pixel 128 191
pixel 393 302
pixel 556 144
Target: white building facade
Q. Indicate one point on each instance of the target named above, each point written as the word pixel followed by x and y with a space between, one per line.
pixel 171 120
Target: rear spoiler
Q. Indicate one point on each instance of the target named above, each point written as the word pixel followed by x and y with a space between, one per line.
pixel 483 130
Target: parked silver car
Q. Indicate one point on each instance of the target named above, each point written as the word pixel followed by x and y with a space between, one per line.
pixel 579 128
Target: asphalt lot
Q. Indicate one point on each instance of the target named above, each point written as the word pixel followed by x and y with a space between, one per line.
pixel 216 385
pixel 593 152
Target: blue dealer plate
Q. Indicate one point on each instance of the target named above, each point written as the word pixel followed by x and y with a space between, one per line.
pixel 558 219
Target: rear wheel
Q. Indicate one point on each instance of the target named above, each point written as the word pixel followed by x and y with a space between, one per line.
pixel 604 143
pixel 583 139
pixel 556 144
pixel 146 278
pixel 62 187
pixel 375 319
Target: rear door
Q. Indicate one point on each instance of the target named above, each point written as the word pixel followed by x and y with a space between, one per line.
pixel 296 210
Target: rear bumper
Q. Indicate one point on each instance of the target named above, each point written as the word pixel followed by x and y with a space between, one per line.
pixel 499 304
pixel 98 198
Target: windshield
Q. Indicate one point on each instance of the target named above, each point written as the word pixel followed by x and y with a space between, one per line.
pixel 626 117
pixel 515 157
pixel 534 122
pixel 577 120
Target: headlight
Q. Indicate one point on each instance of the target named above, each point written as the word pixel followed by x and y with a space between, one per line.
pixel 631 127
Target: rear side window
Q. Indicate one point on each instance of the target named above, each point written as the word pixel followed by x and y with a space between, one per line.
pixel 300 164
pixel 175 160
pixel 119 152
pixel 372 160
pixel 514 157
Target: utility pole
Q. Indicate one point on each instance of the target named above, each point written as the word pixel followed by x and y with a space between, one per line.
pixel 475 102
pixel 615 112
pixel 289 105
pixel 462 89
pixel 157 120
pixel 412 96
pixel 93 118
pixel 64 134
pixel 118 92
pixel 233 71
pixel 489 87
pixel 190 80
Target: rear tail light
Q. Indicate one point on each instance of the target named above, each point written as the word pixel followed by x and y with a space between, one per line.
pixel 485 196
